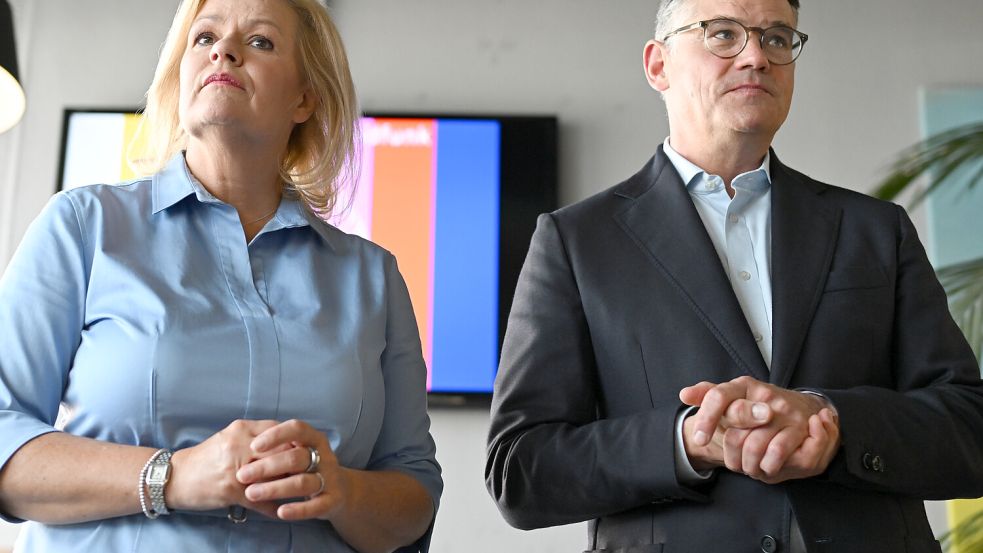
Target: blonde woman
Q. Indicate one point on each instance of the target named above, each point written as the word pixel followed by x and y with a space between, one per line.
pixel 234 374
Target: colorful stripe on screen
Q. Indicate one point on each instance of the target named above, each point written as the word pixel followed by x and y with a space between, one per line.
pixel 429 192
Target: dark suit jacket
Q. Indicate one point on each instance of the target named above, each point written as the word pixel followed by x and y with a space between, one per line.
pixel 622 301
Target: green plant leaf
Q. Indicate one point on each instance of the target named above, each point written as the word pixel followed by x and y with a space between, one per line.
pixel 968 535
pixel 940 155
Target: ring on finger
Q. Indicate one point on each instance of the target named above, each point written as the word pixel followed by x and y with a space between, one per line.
pixel 320 488
pixel 315 459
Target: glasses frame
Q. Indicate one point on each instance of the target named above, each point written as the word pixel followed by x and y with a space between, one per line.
pixel 705 24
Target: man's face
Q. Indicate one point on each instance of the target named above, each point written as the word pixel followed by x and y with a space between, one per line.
pixel 712 96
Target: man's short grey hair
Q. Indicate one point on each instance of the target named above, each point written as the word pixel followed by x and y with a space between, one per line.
pixel 670 12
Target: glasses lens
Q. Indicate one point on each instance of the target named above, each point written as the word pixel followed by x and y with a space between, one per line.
pixel 781 44
pixel 725 38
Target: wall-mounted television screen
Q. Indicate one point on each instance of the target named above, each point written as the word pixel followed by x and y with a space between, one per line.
pixel 455 198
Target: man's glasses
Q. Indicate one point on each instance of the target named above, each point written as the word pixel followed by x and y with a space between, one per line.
pixel 726 38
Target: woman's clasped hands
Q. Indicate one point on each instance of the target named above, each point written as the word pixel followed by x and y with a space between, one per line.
pixel 293 460
pixel 285 470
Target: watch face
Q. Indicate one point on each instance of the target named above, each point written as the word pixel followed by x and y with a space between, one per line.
pixel 158 473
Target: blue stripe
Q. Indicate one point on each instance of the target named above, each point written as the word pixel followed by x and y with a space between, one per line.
pixel 465 327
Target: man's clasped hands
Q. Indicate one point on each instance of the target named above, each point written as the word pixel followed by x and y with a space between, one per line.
pixel 769 433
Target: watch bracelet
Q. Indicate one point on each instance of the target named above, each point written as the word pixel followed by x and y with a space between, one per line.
pixel 157 503
pixel 142 486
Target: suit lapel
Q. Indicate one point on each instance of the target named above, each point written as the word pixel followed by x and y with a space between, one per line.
pixel 664 223
pixel 804 231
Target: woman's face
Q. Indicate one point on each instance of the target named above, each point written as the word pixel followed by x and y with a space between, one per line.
pixel 240 73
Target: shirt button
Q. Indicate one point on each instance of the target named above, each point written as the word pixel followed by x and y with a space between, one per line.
pixel 758 337
pixel 734 219
pixel 709 186
pixel 769 544
pixel 745 275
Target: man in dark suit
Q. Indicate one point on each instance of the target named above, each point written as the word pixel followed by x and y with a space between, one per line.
pixel 722 354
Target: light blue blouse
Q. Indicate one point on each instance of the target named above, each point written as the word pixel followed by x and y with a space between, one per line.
pixel 142 312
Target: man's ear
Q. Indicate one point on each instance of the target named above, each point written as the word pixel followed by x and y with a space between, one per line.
pixel 654 64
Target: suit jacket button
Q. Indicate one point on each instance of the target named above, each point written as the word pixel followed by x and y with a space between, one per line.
pixel 867 461
pixel 769 544
pixel 877 464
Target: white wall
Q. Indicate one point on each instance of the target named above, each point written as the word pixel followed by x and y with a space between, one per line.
pixel 855 107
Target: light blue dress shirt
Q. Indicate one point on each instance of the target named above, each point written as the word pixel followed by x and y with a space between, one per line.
pixel 141 310
pixel 740 229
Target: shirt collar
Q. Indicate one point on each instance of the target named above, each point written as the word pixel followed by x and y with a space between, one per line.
pixel 175 183
pixel 688 171
pixel 171 184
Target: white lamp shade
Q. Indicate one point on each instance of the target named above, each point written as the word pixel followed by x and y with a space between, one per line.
pixel 12 101
pixel 11 93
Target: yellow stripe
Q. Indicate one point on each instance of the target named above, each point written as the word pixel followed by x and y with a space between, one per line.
pixel 134 146
pixel 960 510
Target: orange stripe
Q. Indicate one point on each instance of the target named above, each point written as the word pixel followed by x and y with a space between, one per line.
pixel 403 214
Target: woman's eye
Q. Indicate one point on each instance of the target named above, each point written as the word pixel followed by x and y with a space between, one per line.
pixel 260 42
pixel 204 39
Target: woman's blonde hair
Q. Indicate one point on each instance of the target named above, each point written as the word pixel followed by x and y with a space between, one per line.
pixel 321 153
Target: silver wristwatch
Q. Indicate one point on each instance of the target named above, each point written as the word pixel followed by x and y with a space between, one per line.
pixel 158 473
